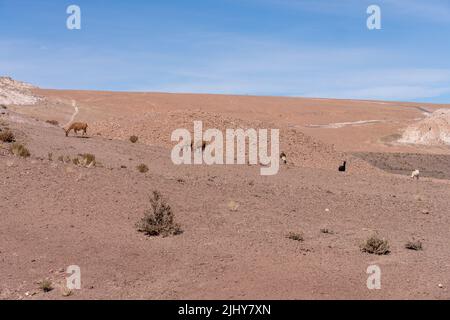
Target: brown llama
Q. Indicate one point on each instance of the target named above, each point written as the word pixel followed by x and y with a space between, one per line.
pixel 77 126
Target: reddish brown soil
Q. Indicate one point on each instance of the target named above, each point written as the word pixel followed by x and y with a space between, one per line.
pixel 53 215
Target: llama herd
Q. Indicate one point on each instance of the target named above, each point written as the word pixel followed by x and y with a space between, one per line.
pixel 82 126
pixel 414 175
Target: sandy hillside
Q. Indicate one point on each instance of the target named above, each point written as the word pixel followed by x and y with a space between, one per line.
pixel 235 222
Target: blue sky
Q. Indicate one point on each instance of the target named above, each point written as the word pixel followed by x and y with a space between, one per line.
pixel 312 48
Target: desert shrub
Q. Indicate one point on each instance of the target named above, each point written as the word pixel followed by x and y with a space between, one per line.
pixel 86 160
pixel 142 168
pixel 295 236
pixel 53 122
pixel 159 219
pixel 414 245
pixel 375 245
pixel 134 139
pixel 19 150
pixel 7 136
pixel 65 159
pixel 46 285
pixel 66 292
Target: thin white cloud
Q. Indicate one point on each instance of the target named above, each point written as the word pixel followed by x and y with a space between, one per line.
pixel 234 63
pixel 397 93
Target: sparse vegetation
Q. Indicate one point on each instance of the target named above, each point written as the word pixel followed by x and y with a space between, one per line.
pixel 46 285
pixel 375 245
pixel 19 150
pixel 295 236
pixel 159 219
pixel 86 160
pixel 65 159
pixel 142 168
pixel 414 245
pixel 7 136
pixel 326 231
pixel 53 122
pixel 134 139
pixel 233 205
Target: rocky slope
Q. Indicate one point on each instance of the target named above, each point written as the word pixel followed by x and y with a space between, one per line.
pixel 14 92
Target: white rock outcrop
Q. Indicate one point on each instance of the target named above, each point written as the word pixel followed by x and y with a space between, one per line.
pixel 432 131
pixel 14 92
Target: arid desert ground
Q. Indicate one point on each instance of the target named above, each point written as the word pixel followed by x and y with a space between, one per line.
pixel 235 243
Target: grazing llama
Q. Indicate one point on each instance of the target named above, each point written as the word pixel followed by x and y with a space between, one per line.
pixel 77 126
pixel 415 174
pixel 283 157
pixel 343 168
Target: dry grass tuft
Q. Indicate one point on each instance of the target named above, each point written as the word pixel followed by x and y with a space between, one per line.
pixel 53 122
pixel 159 219
pixel 65 159
pixel 66 292
pixel 19 150
pixel 295 236
pixel 414 245
pixel 233 205
pixel 7 136
pixel 142 168
pixel 85 160
pixel 375 245
pixel 46 285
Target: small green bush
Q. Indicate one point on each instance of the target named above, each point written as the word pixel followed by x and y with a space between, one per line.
pixel 159 219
